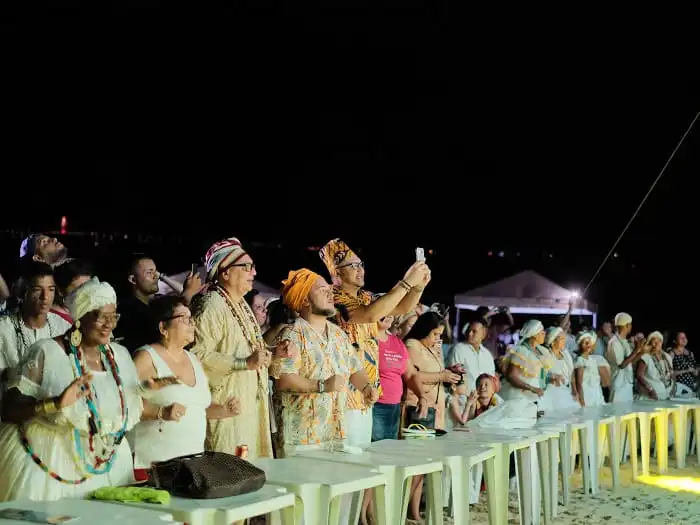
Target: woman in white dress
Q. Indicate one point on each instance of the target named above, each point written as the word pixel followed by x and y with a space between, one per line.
pixel 528 367
pixel 587 375
pixel 654 377
pixel 71 403
pixel 563 397
pixel 174 419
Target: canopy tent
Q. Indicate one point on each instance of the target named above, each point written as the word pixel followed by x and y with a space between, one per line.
pixel 525 293
pixel 266 291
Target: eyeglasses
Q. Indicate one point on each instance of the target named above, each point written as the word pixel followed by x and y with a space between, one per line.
pixel 247 267
pixel 354 266
pixel 186 319
pixel 105 319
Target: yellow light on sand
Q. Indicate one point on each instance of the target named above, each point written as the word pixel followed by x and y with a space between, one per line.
pixel 673 483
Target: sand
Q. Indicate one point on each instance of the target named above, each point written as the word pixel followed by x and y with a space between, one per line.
pixel 633 503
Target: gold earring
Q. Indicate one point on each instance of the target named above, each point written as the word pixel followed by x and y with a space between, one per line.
pixel 76 337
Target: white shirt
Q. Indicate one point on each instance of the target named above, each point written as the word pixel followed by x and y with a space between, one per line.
pixel 475 362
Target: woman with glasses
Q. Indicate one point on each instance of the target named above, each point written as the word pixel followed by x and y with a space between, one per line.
pixel 70 404
pixel 174 419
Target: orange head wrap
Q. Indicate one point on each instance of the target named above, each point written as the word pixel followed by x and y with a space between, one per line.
pixel 297 287
pixel 333 254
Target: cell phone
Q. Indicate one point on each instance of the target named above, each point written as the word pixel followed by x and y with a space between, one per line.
pixel 420 254
pixel 194 269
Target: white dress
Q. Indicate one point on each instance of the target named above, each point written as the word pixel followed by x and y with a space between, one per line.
pixel 534 366
pixel 621 389
pixel 654 378
pixel 181 438
pixel 592 390
pixel 559 398
pixel 46 372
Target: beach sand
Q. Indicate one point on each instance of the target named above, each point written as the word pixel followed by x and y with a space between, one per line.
pixel 635 503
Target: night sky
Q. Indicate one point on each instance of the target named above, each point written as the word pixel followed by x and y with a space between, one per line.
pixel 392 128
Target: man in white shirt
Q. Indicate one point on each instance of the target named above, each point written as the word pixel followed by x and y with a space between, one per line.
pixel 474 357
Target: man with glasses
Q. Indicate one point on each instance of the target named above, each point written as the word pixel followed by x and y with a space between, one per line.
pixel 357 314
pixel 230 346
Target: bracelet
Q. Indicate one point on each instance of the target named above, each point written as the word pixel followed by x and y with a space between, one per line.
pixel 403 284
pixel 47 406
pixel 160 413
pixel 418 289
pixel 365 387
pixel 239 365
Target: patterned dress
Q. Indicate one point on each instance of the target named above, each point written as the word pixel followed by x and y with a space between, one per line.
pixel 314 418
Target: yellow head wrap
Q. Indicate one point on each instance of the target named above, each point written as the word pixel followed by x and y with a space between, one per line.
pixel 297 287
pixel 333 254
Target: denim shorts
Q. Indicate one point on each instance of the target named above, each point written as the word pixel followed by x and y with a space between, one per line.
pixel 385 421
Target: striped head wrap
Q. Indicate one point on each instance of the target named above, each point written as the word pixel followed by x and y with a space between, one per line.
pixel 221 255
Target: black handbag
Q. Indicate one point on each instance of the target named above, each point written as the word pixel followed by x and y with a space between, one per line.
pixel 412 417
pixel 207 476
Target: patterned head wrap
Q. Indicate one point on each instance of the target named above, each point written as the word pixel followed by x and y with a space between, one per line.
pixel 494 381
pixel 333 254
pixel 552 335
pixel 221 255
pixel 586 335
pixel 531 328
pixel 623 319
pixel 297 286
pixel 90 296
pixel 28 246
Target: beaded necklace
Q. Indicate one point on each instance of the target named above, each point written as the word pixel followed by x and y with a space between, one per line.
pixel 102 463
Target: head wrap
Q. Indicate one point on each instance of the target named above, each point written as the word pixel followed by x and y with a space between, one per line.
pixel 623 319
pixel 586 335
pixel 90 296
pixel 222 254
pixel 333 254
pixel 297 287
pixel 494 380
pixel 552 334
pixel 531 328
pixel 655 335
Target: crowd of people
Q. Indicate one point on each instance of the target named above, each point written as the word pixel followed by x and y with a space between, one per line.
pixel 95 390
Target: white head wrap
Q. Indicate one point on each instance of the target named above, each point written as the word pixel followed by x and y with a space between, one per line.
pixel 586 335
pixel 552 334
pixel 531 328
pixel 623 319
pixel 90 296
pixel 657 335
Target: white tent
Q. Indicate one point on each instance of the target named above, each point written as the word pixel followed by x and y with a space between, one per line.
pixel 266 291
pixel 525 293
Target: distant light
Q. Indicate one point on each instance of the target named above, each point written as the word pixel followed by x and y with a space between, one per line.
pixel 616 254
pixel 575 294
pixel 490 254
pixel 430 252
pixel 501 254
pixel 64 225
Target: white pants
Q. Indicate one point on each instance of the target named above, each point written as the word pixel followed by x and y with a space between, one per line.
pixel 358 430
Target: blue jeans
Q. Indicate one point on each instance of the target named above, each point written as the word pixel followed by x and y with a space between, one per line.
pixel 385 421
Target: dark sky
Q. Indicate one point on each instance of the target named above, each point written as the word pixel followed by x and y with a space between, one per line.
pixel 389 126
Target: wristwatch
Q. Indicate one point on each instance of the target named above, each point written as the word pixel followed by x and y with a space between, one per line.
pixel 321 387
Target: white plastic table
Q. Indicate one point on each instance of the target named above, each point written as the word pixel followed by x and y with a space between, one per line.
pixel 224 511
pixel 318 486
pixel 399 470
pixel 90 512
pixel 458 458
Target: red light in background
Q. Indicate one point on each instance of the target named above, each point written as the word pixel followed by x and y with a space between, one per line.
pixel 490 254
pixel 64 225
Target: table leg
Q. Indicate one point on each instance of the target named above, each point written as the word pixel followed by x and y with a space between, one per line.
pixel 645 440
pixel 634 446
pixel 662 441
pixel 585 458
pixel 565 464
pixel 434 498
pixel 553 444
pixel 594 458
pixel 613 448
pixel 490 473
pixel 380 505
pixel 288 515
pixel 461 488
pixel 526 486
pixel 544 472
pixel 678 418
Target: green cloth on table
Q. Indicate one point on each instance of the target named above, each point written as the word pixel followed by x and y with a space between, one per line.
pixel 132 494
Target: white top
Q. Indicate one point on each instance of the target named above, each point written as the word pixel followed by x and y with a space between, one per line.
pixel 178 438
pixel 16 337
pixel 618 350
pixel 653 376
pixel 564 366
pixel 592 390
pixel 475 362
